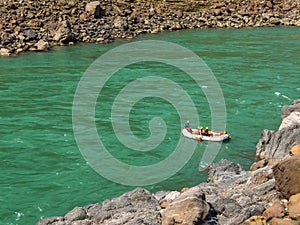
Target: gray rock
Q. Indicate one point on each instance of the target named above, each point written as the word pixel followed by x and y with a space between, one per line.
pixel 136 207
pixel 227 207
pixel 50 220
pixel 290 120
pixel 235 194
pixel 30 34
pixel 82 222
pixel 78 213
pixel 223 170
pixel 277 144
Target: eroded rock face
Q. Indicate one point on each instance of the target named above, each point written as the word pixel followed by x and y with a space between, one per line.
pixel 287 176
pixel 277 144
pixel 235 194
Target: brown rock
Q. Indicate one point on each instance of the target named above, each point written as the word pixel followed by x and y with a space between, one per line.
pixel 217 12
pixel 63 32
pixel 260 164
pixel 295 150
pixel 285 221
pixel 286 7
pixel 19 50
pixel 120 23
pixel 276 210
pixel 189 208
pixel 83 16
pixel 5 52
pixel 42 45
pixel 294 207
pixel 287 176
pixel 164 204
pixel 269 4
pixel 93 8
pixel 255 220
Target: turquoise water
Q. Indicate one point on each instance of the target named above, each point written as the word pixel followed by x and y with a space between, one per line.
pixel 42 170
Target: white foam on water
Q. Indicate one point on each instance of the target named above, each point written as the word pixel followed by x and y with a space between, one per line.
pixel 277 93
pixel 18 215
pixel 286 97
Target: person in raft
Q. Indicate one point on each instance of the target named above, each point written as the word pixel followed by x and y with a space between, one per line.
pixel 187 126
pixel 206 132
pixel 200 130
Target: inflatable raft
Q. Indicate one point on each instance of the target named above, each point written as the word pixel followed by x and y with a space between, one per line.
pixel 214 136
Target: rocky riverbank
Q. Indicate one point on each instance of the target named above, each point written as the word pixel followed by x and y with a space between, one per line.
pixel 267 194
pixel 28 25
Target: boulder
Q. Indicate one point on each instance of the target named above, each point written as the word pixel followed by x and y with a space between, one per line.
pixel 236 195
pixel 294 207
pixel 5 52
pixel 120 23
pixel 42 45
pixel 78 213
pixel 285 221
pixel 63 32
pixel 136 207
pixel 287 176
pixel 30 34
pixel 93 8
pixel 187 209
pixel 83 222
pixel 276 210
pixel 295 150
pixel 50 220
pixel 224 169
pixel 168 198
pixel 290 120
pixel 259 164
pixel 287 110
pixel 255 220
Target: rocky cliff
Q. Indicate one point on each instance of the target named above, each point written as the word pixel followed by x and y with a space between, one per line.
pixel 267 194
pixel 27 25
